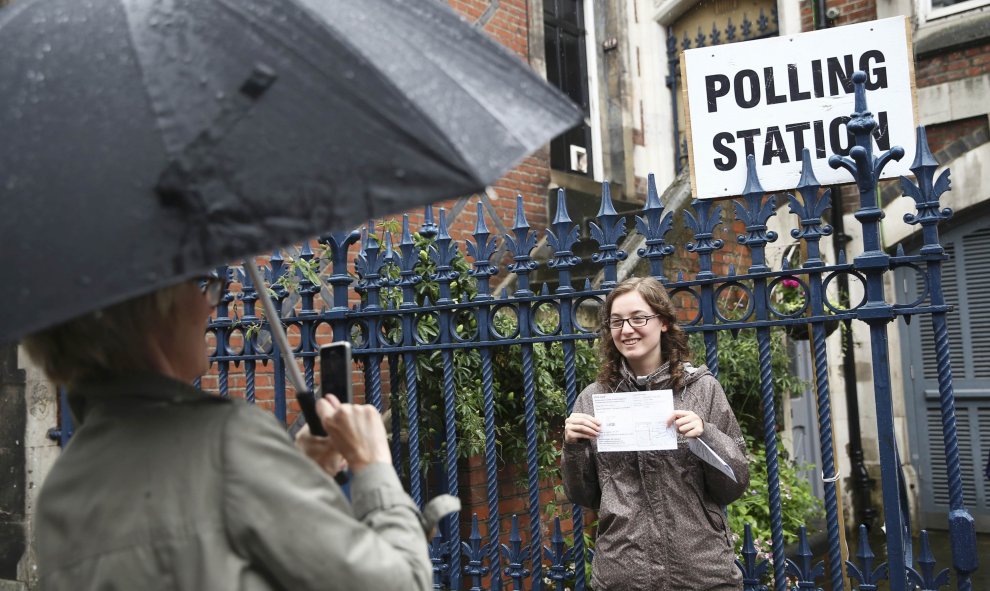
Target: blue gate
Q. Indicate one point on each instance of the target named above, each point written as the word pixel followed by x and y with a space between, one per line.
pixel 387 329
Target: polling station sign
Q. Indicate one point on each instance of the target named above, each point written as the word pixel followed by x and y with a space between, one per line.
pixel 773 98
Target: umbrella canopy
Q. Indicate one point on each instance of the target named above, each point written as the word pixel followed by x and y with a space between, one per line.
pixel 145 141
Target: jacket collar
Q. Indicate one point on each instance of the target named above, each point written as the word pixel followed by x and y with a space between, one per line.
pixel 146 386
pixel 659 377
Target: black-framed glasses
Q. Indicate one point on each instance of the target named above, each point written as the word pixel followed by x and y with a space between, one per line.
pixel 635 321
pixel 212 288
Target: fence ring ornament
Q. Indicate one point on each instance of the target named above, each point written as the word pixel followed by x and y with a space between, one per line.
pixel 534 323
pixel 390 325
pixel 697 300
pixel 463 317
pixel 926 288
pixel 220 346
pixel 263 342
pixel 418 321
pixel 579 304
pixel 358 331
pixel 493 328
pixel 828 281
pixel 776 283
pixel 747 307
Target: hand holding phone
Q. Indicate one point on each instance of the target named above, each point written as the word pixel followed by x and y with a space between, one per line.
pixel 335 378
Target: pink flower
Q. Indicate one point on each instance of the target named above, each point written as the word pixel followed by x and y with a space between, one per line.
pixel 791 283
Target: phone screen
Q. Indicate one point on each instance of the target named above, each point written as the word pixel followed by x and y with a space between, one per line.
pixel 335 370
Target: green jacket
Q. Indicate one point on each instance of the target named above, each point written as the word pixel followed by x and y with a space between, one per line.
pixel 165 487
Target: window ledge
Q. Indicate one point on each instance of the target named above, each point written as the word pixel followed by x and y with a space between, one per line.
pixel 962 30
pixel 560 179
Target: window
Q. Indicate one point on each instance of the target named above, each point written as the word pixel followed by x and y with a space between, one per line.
pixel 567 69
pixel 940 8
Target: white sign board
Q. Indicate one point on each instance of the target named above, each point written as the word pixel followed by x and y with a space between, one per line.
pixel 774 97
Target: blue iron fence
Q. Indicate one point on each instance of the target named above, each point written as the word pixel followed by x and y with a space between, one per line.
pixel 394 327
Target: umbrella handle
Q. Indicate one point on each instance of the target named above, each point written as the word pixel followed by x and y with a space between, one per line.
pixel 278 332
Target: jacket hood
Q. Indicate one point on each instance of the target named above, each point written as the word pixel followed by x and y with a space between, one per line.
pixel 660 378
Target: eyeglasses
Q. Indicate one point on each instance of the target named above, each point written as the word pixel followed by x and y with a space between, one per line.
pixel 212 288
pixel 635 321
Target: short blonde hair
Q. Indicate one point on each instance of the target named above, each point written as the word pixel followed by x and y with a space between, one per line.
pixel 101 344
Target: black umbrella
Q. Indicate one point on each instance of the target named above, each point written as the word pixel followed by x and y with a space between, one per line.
pixel 145 141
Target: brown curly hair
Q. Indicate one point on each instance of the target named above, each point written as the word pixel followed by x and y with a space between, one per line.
pixel 673 343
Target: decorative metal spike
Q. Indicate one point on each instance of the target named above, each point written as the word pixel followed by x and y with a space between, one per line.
pixel 520 221
pixel 923 156
pixel 754 211
pixel 482 250
pixel 753 570
pixel 514 555
pixel 562 236
pixel 803 569
pixel 558 557
pixel 606 207
pixel 928 579
pixel 808 178
pixel 521 244
pixel 753 185
pixel 561 216
pixel 475 554
pixel 654 226
pixel 429 228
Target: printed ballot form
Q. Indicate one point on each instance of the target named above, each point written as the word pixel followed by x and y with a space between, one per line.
pixel 635 421
pixel 706 453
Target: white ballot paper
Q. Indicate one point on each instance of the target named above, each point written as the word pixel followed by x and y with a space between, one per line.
pixel 706 453
pixel 635 421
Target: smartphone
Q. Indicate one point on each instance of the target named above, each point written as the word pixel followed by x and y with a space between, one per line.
pixel 335 370
pixel 335 378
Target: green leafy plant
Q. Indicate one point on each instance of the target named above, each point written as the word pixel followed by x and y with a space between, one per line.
pixel 739 374
pixel 799 505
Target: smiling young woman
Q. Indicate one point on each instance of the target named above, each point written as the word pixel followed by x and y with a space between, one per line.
pixel 662 522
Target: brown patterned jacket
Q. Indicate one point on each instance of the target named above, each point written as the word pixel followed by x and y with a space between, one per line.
pixel 661 521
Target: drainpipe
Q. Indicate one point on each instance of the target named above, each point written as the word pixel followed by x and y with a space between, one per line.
pixel 862 484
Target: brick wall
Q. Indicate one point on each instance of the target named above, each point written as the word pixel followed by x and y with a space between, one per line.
pixel 953 65
pixel 850 11
pixel 943 134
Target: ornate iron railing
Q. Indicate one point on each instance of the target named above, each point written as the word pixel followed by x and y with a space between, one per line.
pixel 483 561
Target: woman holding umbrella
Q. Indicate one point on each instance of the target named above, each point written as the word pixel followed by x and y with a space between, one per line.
pixel 662 523
pixel 207 132
pixel 163 485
